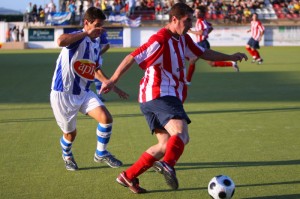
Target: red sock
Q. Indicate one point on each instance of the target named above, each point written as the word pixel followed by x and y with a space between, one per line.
pixel 254 55
pixel 250 51
pixel 175 147
pixel 222 64
pixel 190 72
pixel 257 55
pixel 140 166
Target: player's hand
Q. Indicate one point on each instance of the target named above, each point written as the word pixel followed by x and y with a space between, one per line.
pixel 121 93
pixel 95 32
pixel 106 86
pixel 239 57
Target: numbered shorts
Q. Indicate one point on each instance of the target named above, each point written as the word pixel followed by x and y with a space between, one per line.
pixel 66 106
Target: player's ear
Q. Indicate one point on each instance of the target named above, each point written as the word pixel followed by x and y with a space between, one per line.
pixel 85 22
pixel 174 19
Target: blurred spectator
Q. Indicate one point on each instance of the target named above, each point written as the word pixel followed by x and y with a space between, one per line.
pixel 34 13
pixel 239 14
pixel 90 3
pixel 296 7
pixel 247 15
pixel 46 12
pixel 138 5
pixel 190 3
pixel 131 7
pixel 158 9
pixel 22 34
pixel 63 6
pixel 72 9
pixel 196 4
pixel 106 7
pixel 28 13
pixel 52 6
pixel 17 32
pixel 81 13
pixel 13 34
pixel 117 7
pixel 41 15
pixel 97 4
pixel 150 5
pixel 290 7
pixel 8 35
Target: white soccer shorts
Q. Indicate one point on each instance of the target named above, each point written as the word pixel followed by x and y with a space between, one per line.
pixel 66 106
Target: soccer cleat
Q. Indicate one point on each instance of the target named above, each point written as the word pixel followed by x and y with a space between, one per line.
pixel 260 61
pixel 70 163
pixel 235 66
pixel 132 185
pixel 168 172
pixel 109 159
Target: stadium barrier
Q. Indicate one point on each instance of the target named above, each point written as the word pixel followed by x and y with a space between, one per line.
pixel 123 36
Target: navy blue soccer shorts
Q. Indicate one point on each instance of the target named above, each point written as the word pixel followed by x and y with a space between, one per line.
pixel 253 43
pixel 158 112
pixel 204 44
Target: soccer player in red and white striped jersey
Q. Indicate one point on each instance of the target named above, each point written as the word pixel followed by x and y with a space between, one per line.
pixel 202 30
pixel 162 92
pixel 257 31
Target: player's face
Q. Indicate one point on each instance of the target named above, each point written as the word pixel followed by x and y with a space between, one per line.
pixel 254 17
pixel 184 24
pixel 98 23
pixel 198 14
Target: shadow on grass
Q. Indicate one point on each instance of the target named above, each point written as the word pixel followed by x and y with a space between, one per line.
pixel 255 86
pixel 82 117
pixel 203 165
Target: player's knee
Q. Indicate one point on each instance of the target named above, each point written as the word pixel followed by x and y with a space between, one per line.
pixel 106 117
pixel 70 136
pixel 185 138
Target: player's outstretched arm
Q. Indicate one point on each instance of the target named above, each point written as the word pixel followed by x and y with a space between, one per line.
pixel 120 92
pixel 99 74
pixel 68 39
pixel 122 68
pixel 212 55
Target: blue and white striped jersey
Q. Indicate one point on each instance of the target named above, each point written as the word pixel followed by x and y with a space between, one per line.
pixel 102 41
pixel 75 66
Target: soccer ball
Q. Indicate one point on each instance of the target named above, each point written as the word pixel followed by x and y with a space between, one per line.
pixel 221 187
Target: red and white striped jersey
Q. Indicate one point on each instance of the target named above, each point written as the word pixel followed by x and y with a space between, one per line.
pixel 202 24
pixel 256 29
pixel 162 58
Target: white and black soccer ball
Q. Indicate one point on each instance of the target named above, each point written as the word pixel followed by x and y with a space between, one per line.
pixel 221 187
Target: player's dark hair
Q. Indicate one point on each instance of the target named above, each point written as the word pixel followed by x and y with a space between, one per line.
pixel 180 10
pixel 93 13
pixel 202 9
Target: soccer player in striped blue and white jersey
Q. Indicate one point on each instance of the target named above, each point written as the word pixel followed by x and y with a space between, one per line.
pixel 76 68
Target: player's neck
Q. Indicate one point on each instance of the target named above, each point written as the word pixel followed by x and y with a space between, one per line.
pixel 172 32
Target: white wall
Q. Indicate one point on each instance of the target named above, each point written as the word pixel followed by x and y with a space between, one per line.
pixel 221 36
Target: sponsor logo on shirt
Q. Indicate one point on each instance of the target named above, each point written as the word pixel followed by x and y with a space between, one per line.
pixel 85 68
